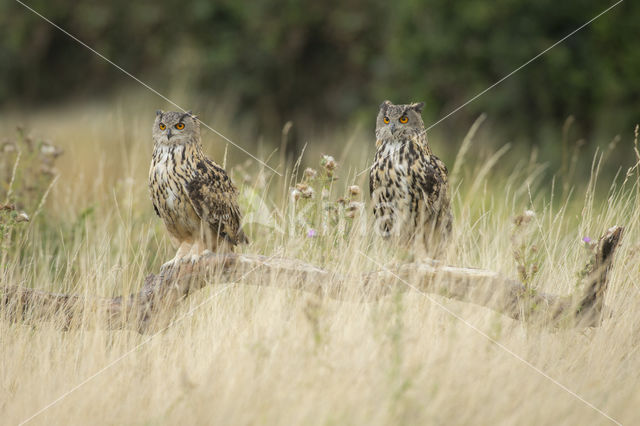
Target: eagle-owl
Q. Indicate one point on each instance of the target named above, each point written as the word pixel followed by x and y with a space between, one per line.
pixel 407 183
pixel 193 196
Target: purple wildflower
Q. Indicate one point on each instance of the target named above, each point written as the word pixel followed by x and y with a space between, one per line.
pixel 311 233
pixel 586 239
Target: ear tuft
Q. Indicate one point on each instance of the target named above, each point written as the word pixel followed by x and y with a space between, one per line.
pixel 159 112
pixel 417 106
pixel 385 104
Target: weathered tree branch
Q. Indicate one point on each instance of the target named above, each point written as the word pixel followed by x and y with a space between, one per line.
pixel 160 293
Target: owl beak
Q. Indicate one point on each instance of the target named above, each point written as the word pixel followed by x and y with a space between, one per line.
pixel 392 127
pixel 169 134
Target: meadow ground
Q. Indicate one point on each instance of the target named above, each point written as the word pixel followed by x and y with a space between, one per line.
pixel 254 355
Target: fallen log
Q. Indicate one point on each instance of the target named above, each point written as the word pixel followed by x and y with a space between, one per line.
pixel 143 311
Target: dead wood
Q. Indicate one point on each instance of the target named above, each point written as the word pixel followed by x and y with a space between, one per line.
pixel 162 292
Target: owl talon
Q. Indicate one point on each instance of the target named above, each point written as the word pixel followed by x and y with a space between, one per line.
pixel 168 265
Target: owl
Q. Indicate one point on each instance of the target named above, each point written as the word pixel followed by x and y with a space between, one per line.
pixel 407 183
pixel 193 196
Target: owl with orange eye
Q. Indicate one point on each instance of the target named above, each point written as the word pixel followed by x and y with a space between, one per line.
pixel 407 183
pixel 193 195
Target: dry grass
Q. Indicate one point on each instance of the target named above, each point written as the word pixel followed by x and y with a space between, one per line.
pixel 265 356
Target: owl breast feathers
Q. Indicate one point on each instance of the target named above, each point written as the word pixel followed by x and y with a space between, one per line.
pixel 193 196
pixel 407 183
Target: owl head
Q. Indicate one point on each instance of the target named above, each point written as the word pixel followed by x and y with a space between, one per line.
pixel 174 128
pixel 399 121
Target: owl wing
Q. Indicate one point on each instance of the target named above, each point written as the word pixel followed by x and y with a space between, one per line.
pixel 429 176
pixel 214 198
pixel 432 180
pixel 373 178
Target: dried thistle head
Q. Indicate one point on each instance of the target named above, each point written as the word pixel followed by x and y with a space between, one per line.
pixel 22 217
pixel 353 208
pixel 8 147
pixel 310 173
pixel 9 207
pixel 49 152
pixel 295 195
pixel 329 164
pixel 524 218
pixel 354 191
pixel 305 190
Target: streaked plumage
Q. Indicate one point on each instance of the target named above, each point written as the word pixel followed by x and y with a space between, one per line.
pixel 407 183
pixel 193 196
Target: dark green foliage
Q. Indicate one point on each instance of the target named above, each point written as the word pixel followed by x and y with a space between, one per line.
pixel 331 61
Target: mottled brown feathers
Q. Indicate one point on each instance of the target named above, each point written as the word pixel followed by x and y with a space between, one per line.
pixel 213 196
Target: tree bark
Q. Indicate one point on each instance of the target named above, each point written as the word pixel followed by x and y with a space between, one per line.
pixel 143 311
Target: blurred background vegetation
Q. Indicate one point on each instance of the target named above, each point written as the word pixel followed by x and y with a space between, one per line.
pixel 327 65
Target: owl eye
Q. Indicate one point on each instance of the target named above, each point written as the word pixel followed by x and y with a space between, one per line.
pixel 180 126
pixel 162 126
pixel 386 120
pixel 404 119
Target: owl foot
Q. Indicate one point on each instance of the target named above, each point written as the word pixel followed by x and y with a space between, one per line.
pixel 170 264
pixel 180 256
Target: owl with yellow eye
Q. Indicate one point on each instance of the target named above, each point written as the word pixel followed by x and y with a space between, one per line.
pixel 408 184
pixel 193 196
